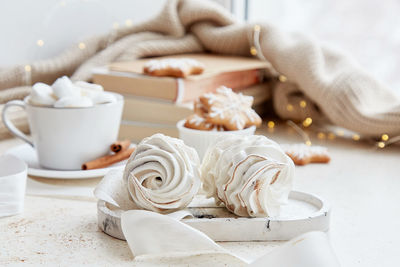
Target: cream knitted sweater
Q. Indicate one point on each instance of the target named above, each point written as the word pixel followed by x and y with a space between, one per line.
pixel 338 87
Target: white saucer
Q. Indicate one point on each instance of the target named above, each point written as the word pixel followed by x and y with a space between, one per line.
pixel 26 153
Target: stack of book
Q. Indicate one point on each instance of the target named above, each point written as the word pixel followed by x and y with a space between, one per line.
pixel 156 104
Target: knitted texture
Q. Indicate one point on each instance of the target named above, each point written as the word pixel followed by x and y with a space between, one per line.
pixel 336 88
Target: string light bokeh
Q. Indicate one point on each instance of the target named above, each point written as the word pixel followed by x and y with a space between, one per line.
pixel 255 50
pixel 40 43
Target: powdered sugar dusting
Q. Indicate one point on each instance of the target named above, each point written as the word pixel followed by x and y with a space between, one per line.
pixel 198 120
pixel 175 63
pixel 235 106
pixel 302 151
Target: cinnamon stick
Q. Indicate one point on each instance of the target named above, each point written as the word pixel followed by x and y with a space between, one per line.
pixel 108 160
pixel 120 145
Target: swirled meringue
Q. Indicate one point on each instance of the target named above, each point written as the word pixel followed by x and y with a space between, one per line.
pixel 251 175
pixel 162 174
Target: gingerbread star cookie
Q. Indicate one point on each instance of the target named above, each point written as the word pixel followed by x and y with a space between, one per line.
pixel 302 154
pixel 173 67
pixel 199 108
pixel 197 122
pixel 229 109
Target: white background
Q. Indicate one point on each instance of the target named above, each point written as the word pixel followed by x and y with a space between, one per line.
pixel 61 24
pixel 369 30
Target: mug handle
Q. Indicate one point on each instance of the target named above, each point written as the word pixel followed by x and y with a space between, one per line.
pixel 10 126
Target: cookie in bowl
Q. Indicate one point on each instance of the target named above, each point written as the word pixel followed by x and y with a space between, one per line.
pixel 218 114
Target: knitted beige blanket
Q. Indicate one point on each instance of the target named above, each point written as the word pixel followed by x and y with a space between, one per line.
pixel 336 87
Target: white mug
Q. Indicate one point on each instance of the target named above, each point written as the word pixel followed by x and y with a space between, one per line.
pixel 65 138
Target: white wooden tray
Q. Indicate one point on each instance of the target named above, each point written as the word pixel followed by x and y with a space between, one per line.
pixel 303 213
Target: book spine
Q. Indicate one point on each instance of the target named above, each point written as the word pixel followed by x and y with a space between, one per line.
pixel 164 112
pixel 154 110
pixel 162 88
pixel 175 90
pixel 136 131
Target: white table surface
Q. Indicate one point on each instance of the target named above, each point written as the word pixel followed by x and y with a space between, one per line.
pixel 361 183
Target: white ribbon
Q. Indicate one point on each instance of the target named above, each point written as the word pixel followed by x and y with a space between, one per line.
pixel 13 173
pixel 152 235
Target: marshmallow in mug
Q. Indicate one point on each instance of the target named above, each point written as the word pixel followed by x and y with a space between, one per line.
pixel 63 93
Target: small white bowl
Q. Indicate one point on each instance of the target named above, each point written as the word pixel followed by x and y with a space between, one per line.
pixel 200 140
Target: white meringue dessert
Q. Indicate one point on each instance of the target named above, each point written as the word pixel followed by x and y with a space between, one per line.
pixel 251 175
pixel 64 93
pixel 162 174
